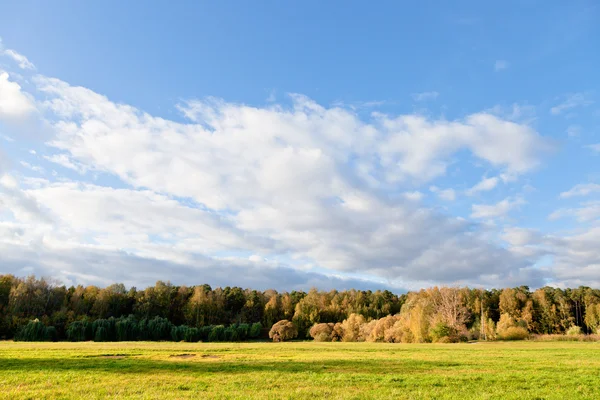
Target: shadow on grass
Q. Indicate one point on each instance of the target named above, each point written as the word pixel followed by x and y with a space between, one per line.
pixel 132 364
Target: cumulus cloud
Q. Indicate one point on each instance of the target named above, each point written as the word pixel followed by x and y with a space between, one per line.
pixel 576 258
pixel 587 211
pixel 414 195
pixel 64 161
pixel 444 194
pixel 139 230
pixel 582 189
pixel 499 209
pixel 486 184
pixel 572 101
pixel 20 59
pixel 425 96
pixel 299 185
pixel 14 103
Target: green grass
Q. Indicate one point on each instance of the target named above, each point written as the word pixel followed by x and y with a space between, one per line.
pixel 523 370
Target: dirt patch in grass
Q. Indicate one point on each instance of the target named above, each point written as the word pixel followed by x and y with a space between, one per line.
pixel 209 356
pixel 184 355
pixel 113 356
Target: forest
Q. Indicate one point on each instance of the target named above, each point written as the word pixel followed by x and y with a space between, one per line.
pixel 41 309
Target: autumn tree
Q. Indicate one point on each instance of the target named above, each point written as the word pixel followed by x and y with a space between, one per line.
pixel 283 330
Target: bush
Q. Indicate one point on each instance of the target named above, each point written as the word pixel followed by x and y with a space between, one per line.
pixel 191 334
pixel 442 331
pixel 104 330
pixel 217 334
pixel 352 328
pixel 243 330
pixel 566 338
pixel 101 335
pixel 35 331
pixel 79 331
pixel 321 332
pixel 159 328
pixel 514 333
pixel 204 333
pixel 231 334
pixel 51 334
pixel 178 333
pixel 574 331
pixel 283 330
pixel 143 332
pixel 126 329
pixel 255 330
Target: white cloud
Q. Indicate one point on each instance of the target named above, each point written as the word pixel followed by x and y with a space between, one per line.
pixel 64 161
pixel 520 236
pixel 34 168
pixel 582 189
pixel 406 147
pixel 594 147
pixel 572 101
pixel 414 195
pixel 273 181
pixel 499 209
pixel 500 65
pixel 139 230
pixel 444 194
pixel 20 59
pixel 576 258
pixel 14 104
pixel 588 211
pixel 486 184
pixel 425 96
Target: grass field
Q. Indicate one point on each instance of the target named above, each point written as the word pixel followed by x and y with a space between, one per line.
pixel 519 370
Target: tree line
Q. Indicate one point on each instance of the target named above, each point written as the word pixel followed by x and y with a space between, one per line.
pixel 46 310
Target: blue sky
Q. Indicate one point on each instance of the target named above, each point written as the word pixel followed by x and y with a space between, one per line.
pixel 290 145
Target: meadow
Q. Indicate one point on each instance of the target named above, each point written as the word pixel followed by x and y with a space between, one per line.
pixel 300 370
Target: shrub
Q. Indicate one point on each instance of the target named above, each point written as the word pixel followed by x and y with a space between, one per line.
pixel 514 333
pixel 509 329
pixel 79 331
pixel 559 338
pixel 159 328
pixel 443 331
pixel 490 330
pixel 378 331
pixel 283 330
pixel 574 331
pixel 191 334
pixel 255 330
pixel 321 332
pixel 231 334
pixel 143 332
pixel 51 334
pixel 101 335
pixel 217 334
pixel 352 327
pixel 126 329
pixel 35 331
pixel 178 333
pixel 243 331
pixel 337 333
pixel 567 338
pixel 104 330
pixel 204 332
